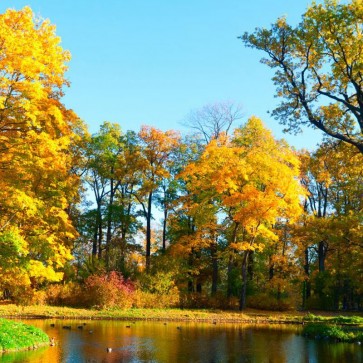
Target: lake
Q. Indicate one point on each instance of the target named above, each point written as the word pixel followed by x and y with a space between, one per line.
pixel 142 341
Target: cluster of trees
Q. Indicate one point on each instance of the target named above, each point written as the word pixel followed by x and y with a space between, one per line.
pixel 227 216
pixel 238 215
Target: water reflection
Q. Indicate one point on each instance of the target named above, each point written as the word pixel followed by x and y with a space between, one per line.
pixel 176 342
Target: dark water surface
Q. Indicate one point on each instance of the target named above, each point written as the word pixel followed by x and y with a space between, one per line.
pixel 181 342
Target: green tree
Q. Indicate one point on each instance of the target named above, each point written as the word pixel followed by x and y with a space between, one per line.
pixel 112 175
pixel 331 231
pixel 319 65
pixel 154 159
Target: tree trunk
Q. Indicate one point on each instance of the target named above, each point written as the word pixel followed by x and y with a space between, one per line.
pixel 109 224
pixel 100 233
pixel 94 242
pixel 96 231
pixel 148 231
pixel 242 302
pixel 250 266
pixel 190 264
pixel 306 285
pixel 164 228
pixel 230 276
pixel 321 255
pixel 231 264
pixel 214 268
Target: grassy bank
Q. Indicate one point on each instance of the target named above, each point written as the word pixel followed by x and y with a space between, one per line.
pixel 17 336
pixel 247 316
pixel 250 316
pixel 333 332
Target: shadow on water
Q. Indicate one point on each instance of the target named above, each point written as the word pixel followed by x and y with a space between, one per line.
pixel 87 341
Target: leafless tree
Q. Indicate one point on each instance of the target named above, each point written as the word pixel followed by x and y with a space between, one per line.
pixel 212 119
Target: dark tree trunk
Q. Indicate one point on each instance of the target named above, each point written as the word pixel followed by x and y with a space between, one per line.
pixel 100 232
pixel 306 284
pixel 242 302
pixel 322 249
pixel 98 221
pixel 250 266
pixel 94 242
pixel 148 231
pixel 191 229
pixel 191 279
pixel 109 224
pixel 230 267
pixel 230 276
pixel 164 228
pixel 214 268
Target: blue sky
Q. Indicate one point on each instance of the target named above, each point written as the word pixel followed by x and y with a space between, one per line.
pixel 151 62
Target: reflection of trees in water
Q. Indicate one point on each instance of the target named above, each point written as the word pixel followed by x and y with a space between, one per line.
pixel 192 342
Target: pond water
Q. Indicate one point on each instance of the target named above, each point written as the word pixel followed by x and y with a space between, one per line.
pixel 140 341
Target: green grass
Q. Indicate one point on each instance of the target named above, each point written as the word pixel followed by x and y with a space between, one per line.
pixel 333 332
pixel 17 336
pixel 203 315
pixel 341 320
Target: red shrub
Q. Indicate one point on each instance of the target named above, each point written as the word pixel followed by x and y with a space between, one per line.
pixel 108 290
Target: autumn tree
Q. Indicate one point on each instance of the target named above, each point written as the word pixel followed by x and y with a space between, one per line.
pixel 330 232
pixel 184 222
pixel 194 237
pixel 252 181
pixel 318 69
pixel 36 133
pixel 156 147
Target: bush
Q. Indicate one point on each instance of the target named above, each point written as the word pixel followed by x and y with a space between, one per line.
pixel 160 283
pixel 25 295
pixel 107 291
pixel 69 294
pixel 221 301
pixel 264 301
pixel 197 300
pixel 144 299
pixel 157 291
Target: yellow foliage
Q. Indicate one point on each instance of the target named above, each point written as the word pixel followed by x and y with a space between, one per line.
pixel 40 272
pixel 254 177
pixel 36 131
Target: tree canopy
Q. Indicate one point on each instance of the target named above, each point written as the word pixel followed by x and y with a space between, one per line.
pixel 318 69
pixel 36 134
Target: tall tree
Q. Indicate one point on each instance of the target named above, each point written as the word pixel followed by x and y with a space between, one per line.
pixel 36 132
pixel 331 230
pixel 252 181
pixel 156 147
pixel 102 152
pixel 113 173
pixel 319 66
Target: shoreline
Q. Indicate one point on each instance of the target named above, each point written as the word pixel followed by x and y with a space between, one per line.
pixel 24 349
pixel 248 316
